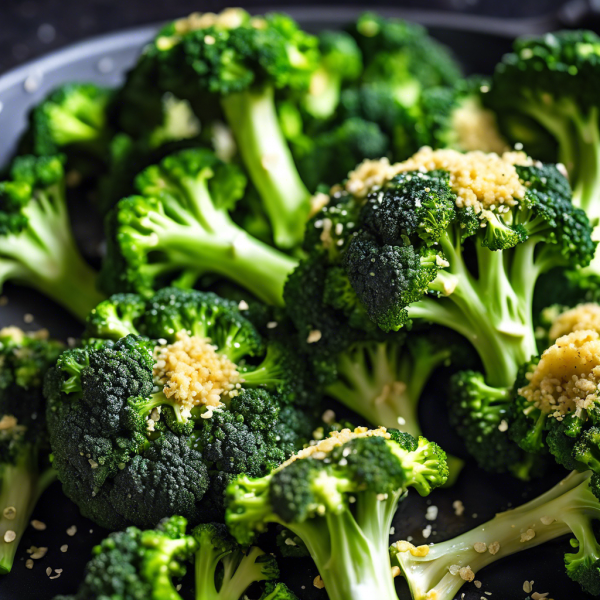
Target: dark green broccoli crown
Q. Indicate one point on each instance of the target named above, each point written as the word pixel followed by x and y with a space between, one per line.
pixel 24 359
pixel 234 53
pixel 340 54
pixel 76 113
pixel 481 416
pixel 30 178
pixel 396 52
pixel 334 153
pixel 117 435
pixel 547 212
pixel 136 565
pixel 377 104
pixel 556 65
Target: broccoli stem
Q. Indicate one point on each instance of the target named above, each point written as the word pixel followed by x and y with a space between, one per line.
pixel 493 315
pixel 350 549
pixel 21 485
pixel 45 257
pixel 253 119
pixel 239 574
pixel 568 507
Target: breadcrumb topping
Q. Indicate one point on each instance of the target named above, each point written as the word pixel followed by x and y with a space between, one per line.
pixel 230 18
pixel 193 373
pixel 404 546
pixel 476 128
pixel 321 449
pixel 566 378
pixel 18 335
pixel 483 181
pixel 583 316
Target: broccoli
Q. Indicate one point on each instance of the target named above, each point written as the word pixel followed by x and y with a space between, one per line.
pixel 481 415
pixel 74 119
pixel 557 408
pixel 339 497
pixel 37 248
pixel 229 67
pixel 25 470
pixel 402 57
pixel 341 63
pixel 168 399
pixel 454 117
pixel 179 228
pixel 135 564
pixel 549 81
pixel 570 507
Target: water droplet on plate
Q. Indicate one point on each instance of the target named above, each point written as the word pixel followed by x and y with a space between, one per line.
pixel 33 82
pixel 105 65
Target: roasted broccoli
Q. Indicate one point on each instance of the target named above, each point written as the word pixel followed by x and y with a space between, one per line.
pixel 25 470
pixel 571 507
pixel 136 564
pixel 229 67
pixel 179 229
pixel 340 494
pixel 402 57
pixel 550 81
pixel 37 248
pixel 168 399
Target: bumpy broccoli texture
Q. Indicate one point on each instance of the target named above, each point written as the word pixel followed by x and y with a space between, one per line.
pixel 135 564
pixel 571 507
pixel 341 493
pixel 179 229
pixel 241 62
pixel 170 398
pixel 37 248
pixel 25 470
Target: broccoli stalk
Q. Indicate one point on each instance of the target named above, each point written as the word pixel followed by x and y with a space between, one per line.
pixel 180 228
pixel 342 507
pixel 241 567
pixel 21 485
pixel 37 247
pixel 570 507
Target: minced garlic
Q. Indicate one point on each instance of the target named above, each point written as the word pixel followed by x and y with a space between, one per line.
pixel 567 377
pixel 193 373
pixel 583 316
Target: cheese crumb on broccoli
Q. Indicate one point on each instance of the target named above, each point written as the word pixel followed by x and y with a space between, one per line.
pixel 583 316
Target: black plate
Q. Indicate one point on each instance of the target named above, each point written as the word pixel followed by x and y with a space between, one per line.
pixel 478 43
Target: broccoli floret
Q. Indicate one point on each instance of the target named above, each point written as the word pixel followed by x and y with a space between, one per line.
pixel 556 408
pixel 454 117
pixel 332 154
pixel 550 81
pixel 571 507
pixel 401 56
pixel 72 119
pixel 25 470
pixel 340 63
pixel 482 415
pixel 340 493
pixel 37 248
pixel 159 420
pixel 179 228
pixel 241 61
pixel 134 564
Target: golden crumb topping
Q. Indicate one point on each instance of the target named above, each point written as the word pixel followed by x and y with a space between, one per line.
pixel 484 181
pixel 321 449
pixel 18 335
pixel 230 18
pixel 193 373
pixel 476 128
pixel 566 378
pixel 583 316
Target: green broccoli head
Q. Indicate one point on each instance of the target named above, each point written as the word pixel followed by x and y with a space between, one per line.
pixel 179 228
pixel 349 482
pixel 401 55
pixel 556 409
pixel 545 89
pixel 167 414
